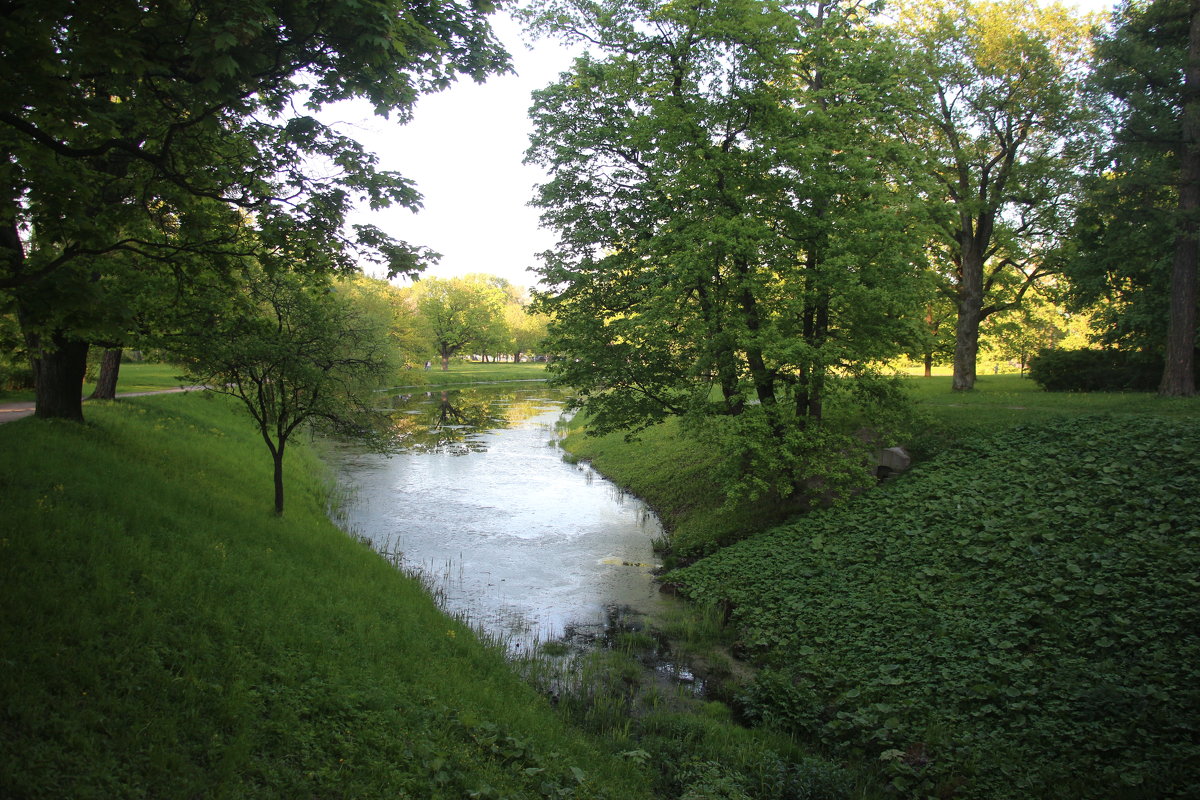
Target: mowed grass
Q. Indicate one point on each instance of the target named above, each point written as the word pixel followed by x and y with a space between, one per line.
pixel 999 401
pixel 472 372
pixel 133 377
pixel 163 634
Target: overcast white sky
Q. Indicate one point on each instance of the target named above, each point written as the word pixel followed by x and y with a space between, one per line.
pixel 464 149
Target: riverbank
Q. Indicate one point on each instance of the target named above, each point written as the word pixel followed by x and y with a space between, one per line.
pixel 1014 618
pixel 164 634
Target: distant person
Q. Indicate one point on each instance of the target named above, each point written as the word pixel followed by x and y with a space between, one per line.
pixel 428 365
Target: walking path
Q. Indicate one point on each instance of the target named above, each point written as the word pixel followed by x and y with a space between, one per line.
pixel 24 408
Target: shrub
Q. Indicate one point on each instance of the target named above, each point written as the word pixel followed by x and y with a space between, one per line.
pixel 1096 370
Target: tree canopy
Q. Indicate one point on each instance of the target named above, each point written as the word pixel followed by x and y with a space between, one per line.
pixel 145 138
pixel 998 111
pixel 295 353
pixel 729 225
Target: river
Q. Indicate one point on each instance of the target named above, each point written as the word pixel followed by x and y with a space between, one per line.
pixel 508 535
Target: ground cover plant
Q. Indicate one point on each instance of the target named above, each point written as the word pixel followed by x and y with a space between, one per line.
pixel 164 636
pixel 1016 617
pixel 1000 401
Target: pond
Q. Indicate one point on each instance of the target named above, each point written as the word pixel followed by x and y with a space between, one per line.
pixel 508 535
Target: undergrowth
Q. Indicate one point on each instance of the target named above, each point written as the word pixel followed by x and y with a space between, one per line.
pixel 1015 618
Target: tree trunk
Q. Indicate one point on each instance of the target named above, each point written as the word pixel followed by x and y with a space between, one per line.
pixel 110 368
pixel 970 314
pixel 928 364
pixel 278 456
pixel 58 369
pixel 1179 373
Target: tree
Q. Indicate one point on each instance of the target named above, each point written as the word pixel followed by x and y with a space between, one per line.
pixel 146 137
pixel 526 328
pixel 395 310
pixel 730 222
pixel 458 312
pixel 295 354
pixel 1179 374
pixel 998 108
pixel 1137 239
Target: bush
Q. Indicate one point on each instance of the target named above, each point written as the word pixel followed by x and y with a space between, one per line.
pixel 1096 370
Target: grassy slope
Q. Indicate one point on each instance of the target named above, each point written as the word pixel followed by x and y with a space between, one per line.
pixel 163 635
pixel 1036 564
pixel 674 475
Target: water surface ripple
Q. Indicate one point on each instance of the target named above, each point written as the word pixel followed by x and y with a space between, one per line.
pixel 513 538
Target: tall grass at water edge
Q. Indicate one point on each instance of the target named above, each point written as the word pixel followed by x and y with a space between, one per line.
pixel 163 634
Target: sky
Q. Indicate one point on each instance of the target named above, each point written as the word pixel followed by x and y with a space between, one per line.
pixel 464 149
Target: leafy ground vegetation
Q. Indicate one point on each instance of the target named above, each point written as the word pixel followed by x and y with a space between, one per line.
pixel 1015 617
pixel 163 635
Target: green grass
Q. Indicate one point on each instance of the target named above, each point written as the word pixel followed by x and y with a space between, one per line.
pixel 675 476
pixel 1015 617
pixel 163 634
pixel 473 372
pixel 999 401
pixel 133 377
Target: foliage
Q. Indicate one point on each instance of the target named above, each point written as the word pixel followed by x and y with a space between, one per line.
pixel 1130 219
pixel 294 354
pixel 998 114
pixel 1095 371
pixel 141 140
pixel 395 312
pixel 459 313
pixel 734 243
pixel 1015 618
pixel 242 654
pixel 1040 323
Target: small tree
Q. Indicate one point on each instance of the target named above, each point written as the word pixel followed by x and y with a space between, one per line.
pixel 295 354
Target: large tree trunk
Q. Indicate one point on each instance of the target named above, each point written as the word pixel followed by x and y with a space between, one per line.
pixel 1179 373
pixel 110 368
pixel 970 314
pixel 278 457
pixel 58 368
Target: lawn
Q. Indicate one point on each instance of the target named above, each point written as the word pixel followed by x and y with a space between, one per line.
pixel 165 635
pixel 134 377
pixel 472 372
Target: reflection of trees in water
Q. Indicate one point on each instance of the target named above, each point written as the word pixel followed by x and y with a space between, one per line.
pixel 450 420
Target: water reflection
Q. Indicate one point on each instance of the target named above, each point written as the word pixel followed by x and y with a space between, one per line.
pixel 482 505
pixel 454 420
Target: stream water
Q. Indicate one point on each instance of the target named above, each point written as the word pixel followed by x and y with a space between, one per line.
pixel 508 535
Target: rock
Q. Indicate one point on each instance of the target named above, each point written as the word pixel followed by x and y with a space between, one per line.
pixel 891 461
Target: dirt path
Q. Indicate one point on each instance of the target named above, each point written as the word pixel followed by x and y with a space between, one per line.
pixel 24 408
